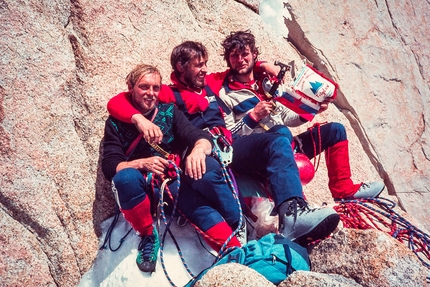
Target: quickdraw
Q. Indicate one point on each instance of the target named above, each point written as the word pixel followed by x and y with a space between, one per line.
pixel 222 145
pixel 378 213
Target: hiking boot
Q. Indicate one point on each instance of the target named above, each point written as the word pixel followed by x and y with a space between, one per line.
pixel 299 223
pixel 242 234
pixel 147 252
pixel 372 190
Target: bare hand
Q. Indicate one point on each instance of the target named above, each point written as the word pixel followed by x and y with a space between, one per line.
pixel 195 164
pixel 324 104
pixel 151 132
pixel 155 164
pixel 262 110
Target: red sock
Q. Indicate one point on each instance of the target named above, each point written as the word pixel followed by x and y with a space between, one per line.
pixel 339 171
pixel 140 217
pixel 219 233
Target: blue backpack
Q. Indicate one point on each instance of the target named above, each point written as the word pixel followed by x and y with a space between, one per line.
pixel 273 256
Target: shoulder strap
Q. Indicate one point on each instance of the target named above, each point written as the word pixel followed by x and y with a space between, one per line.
pixel 179 102
pixel 218 100
pixel 283 241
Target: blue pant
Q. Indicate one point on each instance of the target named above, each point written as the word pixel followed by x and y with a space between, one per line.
pixel 209 200
pixel 331 134
pixel 269 154
pixel 132 188
pixel 205 202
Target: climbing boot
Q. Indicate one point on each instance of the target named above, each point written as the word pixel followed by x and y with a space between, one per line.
pixel 303 225
pixel 369 190
pixel 147 252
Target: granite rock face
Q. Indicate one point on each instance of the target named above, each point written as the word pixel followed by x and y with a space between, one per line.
pixel 62 60
pixel 233 274
pixel 370 257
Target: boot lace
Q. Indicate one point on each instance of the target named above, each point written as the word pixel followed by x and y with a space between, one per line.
pixel 365 185
pixel 146 248
pixel 298 206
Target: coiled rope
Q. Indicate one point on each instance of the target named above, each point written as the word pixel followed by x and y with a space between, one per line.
pixel 378 213
pixel 107 243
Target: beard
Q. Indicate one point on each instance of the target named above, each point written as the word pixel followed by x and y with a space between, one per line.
pixel 194 80
pixel 244 71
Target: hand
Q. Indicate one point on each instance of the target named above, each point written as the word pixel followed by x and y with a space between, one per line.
pixel 324 104
pixel 155 164
pixel 195 164
pixel 262 110
pixel 270 69
pixel 151 132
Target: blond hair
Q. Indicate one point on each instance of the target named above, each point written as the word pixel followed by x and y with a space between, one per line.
pixel 138 72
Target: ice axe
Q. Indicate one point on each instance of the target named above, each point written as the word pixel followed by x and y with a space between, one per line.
pixel 270 95
pixel 281 74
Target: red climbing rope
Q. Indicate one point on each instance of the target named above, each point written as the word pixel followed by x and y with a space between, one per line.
pixel 378 213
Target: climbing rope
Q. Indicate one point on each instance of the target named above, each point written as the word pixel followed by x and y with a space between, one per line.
pixel 167 223
pixel 224 249
pixel 318 127
pixel 108 240
pixel 378 213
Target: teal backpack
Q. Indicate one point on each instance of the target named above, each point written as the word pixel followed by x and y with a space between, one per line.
pixel 273 256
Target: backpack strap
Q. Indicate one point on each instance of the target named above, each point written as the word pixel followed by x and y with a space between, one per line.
pixel 278 239
pixel 136 141
pixel 179 102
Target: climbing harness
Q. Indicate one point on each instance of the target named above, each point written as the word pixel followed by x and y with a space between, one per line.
pixel 378 213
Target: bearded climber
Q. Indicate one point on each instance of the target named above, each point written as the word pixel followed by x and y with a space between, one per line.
pixel 268 154
pixel 244 93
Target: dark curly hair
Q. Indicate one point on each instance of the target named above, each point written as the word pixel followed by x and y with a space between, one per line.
pixel 238 41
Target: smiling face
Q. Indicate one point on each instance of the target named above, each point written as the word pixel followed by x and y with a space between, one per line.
pixel 242 61
pixel 195 71
pixel 145 92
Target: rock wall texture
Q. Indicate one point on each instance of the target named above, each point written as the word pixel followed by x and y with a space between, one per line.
pixel 62 60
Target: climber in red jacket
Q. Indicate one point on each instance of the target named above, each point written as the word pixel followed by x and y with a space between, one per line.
pixel 268 154
pixel 244 92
